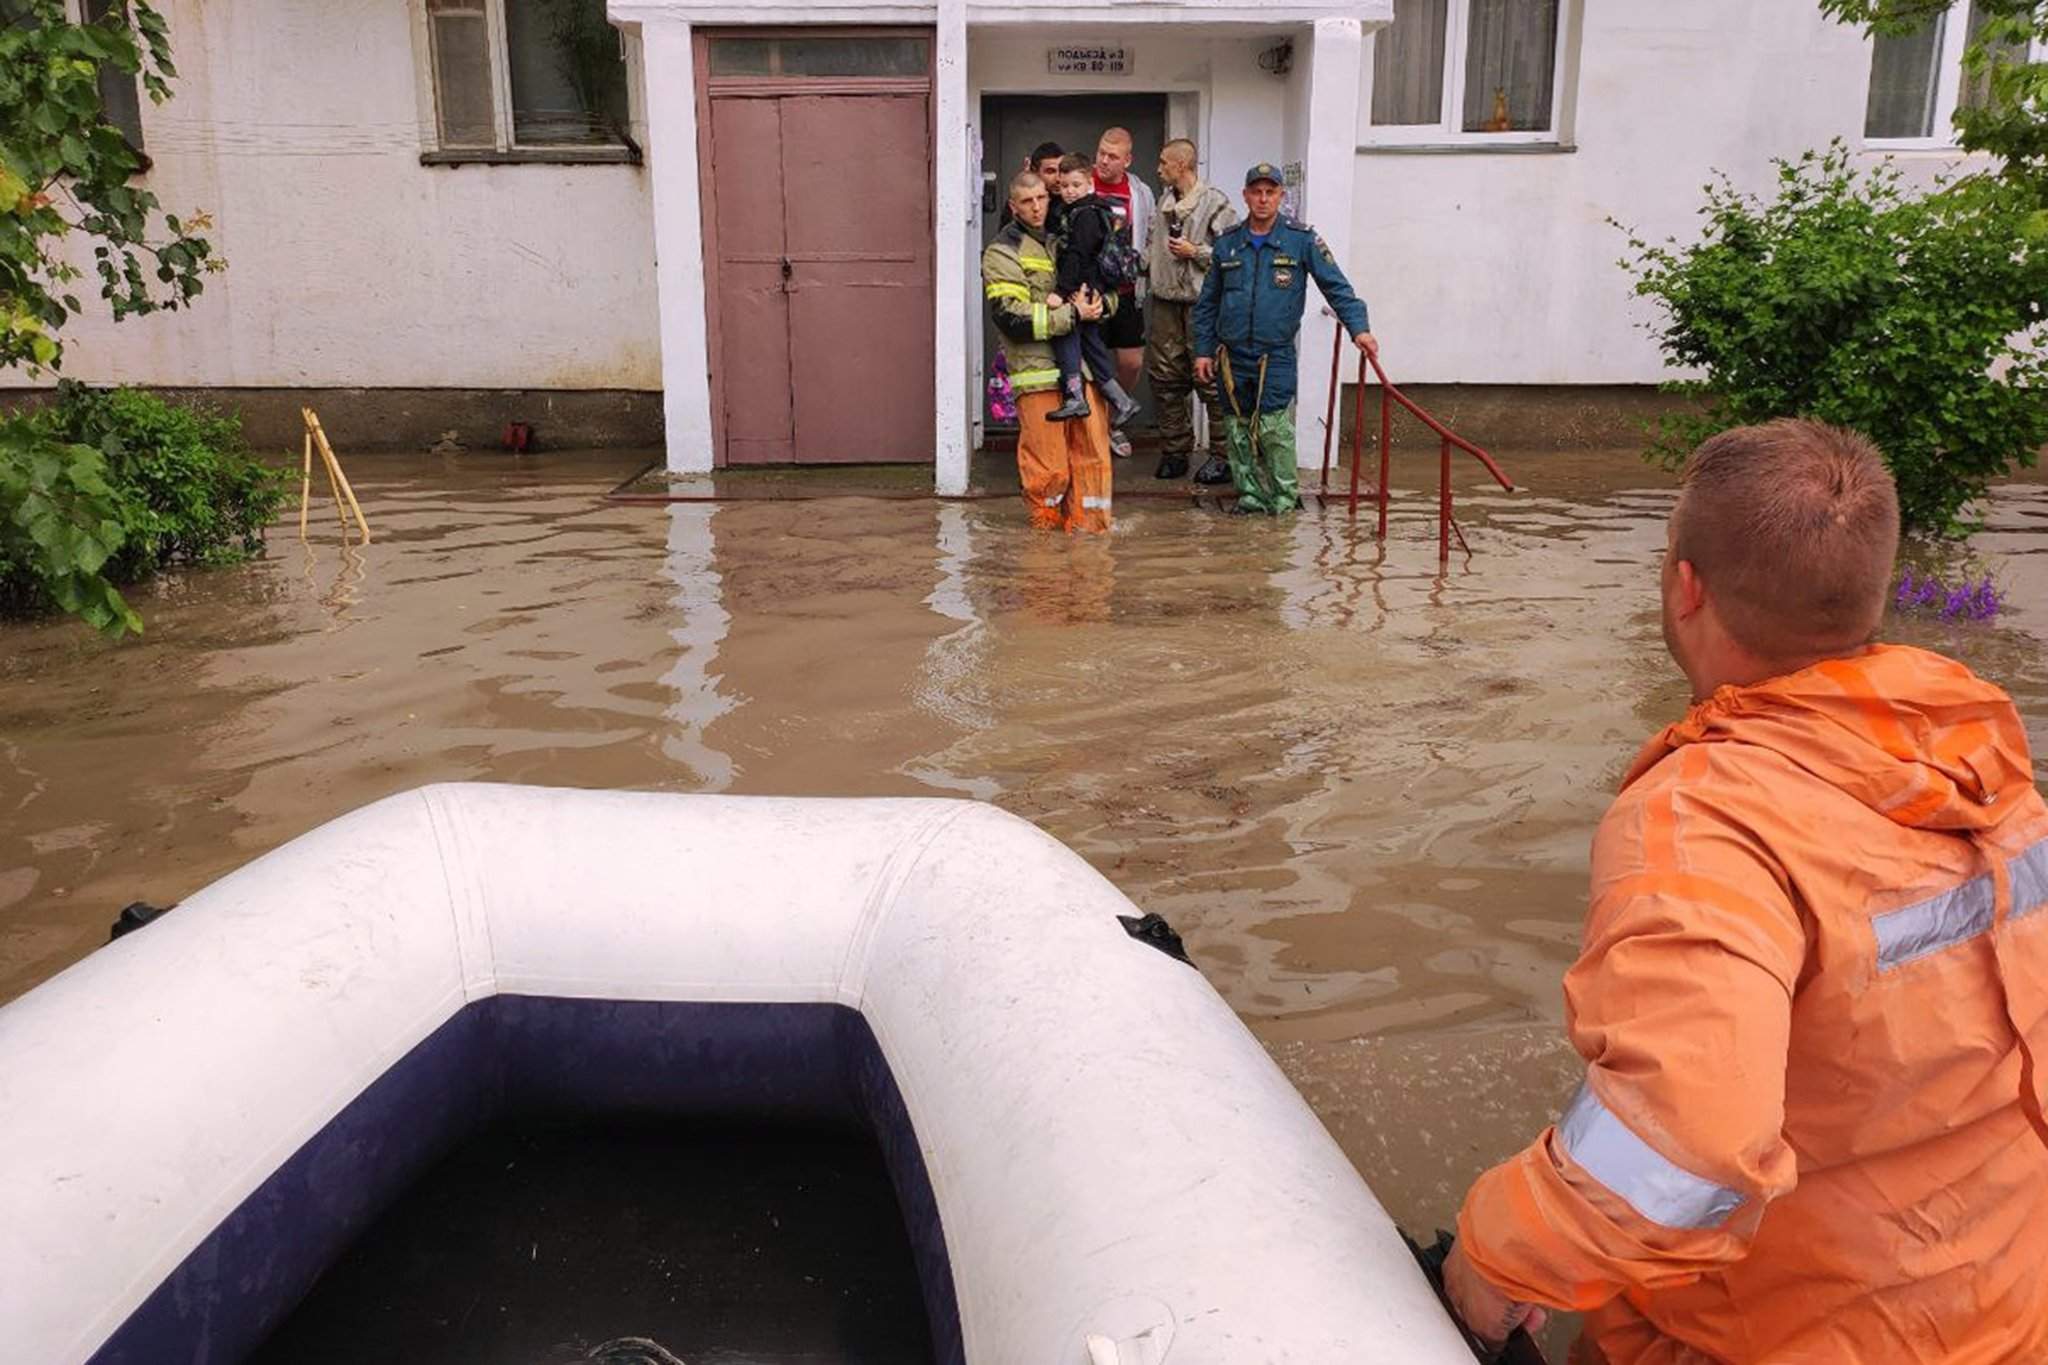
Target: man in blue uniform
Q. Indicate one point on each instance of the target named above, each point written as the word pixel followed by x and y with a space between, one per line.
pixel 1245 323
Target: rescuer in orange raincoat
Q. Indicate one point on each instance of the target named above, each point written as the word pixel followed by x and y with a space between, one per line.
pixel 1812 996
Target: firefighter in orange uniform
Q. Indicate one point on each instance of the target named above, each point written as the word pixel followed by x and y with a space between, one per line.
pixel 1812 996
pixel 1064 466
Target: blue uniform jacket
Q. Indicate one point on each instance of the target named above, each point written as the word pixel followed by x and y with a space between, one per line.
pixel 1253 299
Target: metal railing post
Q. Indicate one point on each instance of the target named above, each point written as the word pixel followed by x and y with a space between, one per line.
pixel 1386 450
pixel 1443 503
pixel 1330 416
pixel 1357 429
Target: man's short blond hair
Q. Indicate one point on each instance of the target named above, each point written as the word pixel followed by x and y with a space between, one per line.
pixel 1793 526
pixel 1180 149
pixel 1023 181
pixel 1116 137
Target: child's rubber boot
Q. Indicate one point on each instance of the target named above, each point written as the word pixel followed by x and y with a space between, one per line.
pixel 1122 408
pixel 1075 408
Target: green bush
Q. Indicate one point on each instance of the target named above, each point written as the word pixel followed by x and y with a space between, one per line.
pixel 140 483
pixel 1919 320
pixel 60 522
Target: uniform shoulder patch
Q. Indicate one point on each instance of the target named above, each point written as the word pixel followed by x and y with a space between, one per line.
pixel 1322 247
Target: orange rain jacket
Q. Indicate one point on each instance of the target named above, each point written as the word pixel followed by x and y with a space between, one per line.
pixel 1812 990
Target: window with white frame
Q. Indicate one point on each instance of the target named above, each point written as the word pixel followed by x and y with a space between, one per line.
pixel 120 91
pixel 1467 71
pixel 1917 80
pixel 527 75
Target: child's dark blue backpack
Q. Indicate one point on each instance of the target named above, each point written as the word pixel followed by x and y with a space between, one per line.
pixel 1118 262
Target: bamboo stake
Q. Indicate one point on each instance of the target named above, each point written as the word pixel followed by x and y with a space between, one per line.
pixel 305 484
pixel 335 471
pixel 334 488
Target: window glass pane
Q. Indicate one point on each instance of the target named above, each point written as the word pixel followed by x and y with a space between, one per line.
pixel 120 93
pixel 462 78
pixel 1976 91
pixel 1902 83
pixel 855 56
pixel 1408 65
pixel 742 56
pixel 1510 66
pixel 568 73
pixel 822 56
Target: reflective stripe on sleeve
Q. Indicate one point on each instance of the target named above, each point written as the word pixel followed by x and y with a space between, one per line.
pixel 2030 879
pixel 1041 322
pixel 1913 931
pixel 1096 504
pixel 1037 265
pixel 1959 914
pixel 1007 289
pixel 1612 1154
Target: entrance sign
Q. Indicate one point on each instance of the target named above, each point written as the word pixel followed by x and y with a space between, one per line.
pixel 1090 60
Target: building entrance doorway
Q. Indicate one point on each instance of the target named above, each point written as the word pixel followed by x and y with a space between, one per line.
pixel 817 191
pixel 1011 125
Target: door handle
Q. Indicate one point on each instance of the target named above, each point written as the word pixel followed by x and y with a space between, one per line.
pixel 788 272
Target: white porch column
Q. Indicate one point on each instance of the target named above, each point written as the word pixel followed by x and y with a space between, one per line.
pixel 678 242
pixel 1329 167
pixel 953 204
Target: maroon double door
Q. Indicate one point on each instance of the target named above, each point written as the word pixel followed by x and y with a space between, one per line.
pixel 818 222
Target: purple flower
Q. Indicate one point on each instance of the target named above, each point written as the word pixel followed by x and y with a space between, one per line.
pixel 1969 600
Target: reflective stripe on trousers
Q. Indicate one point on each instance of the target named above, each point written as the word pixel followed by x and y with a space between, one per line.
pixel 1609 1151
pixel 1960 914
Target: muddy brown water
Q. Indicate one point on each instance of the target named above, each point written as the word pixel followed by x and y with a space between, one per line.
pixel 1362 789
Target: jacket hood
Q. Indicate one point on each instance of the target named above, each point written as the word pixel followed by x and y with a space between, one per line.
pixel 1914 736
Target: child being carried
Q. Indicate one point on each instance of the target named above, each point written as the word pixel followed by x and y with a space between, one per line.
pixel 1086 227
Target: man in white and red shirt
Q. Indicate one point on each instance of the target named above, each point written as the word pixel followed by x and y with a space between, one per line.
pixel 1132 201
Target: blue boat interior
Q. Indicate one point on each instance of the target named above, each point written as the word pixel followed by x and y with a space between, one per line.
pixel 679 1104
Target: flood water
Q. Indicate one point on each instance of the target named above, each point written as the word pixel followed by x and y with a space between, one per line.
pixel 1362 789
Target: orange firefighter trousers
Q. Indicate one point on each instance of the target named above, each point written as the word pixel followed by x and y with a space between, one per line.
pixel 1064 466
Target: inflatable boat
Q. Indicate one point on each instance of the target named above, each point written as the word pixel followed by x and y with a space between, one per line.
pixel 1095 1162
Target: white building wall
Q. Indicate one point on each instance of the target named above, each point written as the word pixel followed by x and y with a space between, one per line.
pixel 296 124
pixel 1500 267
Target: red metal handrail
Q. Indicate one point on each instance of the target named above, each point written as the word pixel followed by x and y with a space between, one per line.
pixel 1390 395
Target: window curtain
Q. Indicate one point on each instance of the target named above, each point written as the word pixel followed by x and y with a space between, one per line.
pixel 1408 65
pixel 1902 84
pixel 1510 66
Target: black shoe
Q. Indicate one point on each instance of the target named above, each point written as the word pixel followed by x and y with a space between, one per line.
pixel 1073 410
pixel 1214 470
pixel 1172 467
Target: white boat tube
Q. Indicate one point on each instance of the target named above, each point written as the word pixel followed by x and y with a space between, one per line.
pixel 1096 1162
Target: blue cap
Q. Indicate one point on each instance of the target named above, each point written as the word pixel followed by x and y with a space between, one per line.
pixel 1265 170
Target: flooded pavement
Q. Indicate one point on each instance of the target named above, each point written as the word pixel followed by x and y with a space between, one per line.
pixel 1363 790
